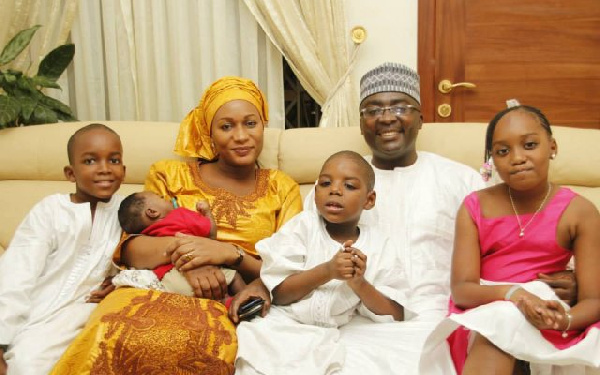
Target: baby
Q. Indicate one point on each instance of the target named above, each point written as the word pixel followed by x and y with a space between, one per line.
pixel 148 214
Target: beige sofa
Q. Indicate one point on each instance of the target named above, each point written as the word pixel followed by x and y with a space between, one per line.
pixel 32 158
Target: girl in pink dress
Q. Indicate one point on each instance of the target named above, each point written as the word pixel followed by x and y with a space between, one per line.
pixel 505 236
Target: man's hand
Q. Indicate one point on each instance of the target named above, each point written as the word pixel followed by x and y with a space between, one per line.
pixel 254 290
pixel 99 294
pixel 563 283
pixel 207 282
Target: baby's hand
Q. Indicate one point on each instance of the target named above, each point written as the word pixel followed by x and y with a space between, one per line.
pixel 204 209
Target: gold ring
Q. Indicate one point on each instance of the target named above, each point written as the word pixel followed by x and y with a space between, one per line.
pixel 187 257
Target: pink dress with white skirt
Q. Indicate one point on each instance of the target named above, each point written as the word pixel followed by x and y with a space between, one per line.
pixel 507 258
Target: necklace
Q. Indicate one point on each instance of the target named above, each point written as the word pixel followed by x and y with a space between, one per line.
pixel 512 203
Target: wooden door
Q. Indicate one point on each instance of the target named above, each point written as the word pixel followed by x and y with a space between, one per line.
pixel 543 53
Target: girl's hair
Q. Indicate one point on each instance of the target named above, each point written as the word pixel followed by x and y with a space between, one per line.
pixel 492 125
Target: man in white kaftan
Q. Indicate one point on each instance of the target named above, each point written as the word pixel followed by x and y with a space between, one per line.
pixel 418 196
pixel 56 258
pixel 306 337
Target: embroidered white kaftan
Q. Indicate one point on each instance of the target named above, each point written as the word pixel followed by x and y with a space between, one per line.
pixel 416 207
pixel 56 258
pixel 305 337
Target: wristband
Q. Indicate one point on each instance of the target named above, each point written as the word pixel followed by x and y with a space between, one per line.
pixel 511 291
pixel 564 333
pixel 240 258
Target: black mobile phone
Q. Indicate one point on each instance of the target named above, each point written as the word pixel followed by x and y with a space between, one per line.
pixel 250 309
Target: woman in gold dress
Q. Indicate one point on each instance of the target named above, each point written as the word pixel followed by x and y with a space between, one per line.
pixel 146 331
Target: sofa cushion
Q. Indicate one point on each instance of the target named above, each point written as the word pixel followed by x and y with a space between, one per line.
pixel 302 152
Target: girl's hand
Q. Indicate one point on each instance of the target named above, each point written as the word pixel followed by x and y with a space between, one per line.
pixel 540 313
pixel 359 260
pixel 190 252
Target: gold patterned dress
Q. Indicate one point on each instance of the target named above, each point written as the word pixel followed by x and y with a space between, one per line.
pixel 135 331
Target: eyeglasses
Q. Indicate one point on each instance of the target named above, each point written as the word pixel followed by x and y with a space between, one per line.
pixel 371 113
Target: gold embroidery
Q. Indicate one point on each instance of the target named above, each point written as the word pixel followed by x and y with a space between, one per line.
pixel 228 207
pixel 165 333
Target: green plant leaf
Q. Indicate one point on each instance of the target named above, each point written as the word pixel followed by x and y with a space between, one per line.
pixel 56 61
pixel 10 78
pixel 55 105
pixel 25 83
pixel 27 106
pixel 24 103
pixel 64 117
pixel 17 44
pixel 9 111
pixel 45 82
pixel 8 83
pixel 43 115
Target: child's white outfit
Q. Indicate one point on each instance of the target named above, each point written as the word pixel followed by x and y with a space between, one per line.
pixel 306 337
pixel 55 259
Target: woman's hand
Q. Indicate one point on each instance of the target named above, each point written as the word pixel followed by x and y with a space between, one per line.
pixel 207 282
pixel 189 252
pixel 103 290
pixel 254 290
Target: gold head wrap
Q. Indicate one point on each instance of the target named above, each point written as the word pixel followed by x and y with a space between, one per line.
pixel 194 132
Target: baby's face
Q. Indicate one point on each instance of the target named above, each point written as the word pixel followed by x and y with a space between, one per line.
pixel 154 202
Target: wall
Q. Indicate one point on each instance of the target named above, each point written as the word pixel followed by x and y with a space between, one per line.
pixel 391 32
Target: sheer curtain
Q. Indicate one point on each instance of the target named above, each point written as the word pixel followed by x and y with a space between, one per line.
pixel 313 37
pixel 151 60
pixel 56 18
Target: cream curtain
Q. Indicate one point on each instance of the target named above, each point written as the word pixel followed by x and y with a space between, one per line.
pixel 313 37
pixel 151 60
pixel 56 18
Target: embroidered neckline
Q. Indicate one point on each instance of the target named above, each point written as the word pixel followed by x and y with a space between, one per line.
pixel 228 207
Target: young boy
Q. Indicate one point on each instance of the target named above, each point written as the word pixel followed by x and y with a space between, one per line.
pixel 147 213
pixel 60 255
pixel 317 271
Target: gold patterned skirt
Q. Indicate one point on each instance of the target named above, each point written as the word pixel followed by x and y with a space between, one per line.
pixel 136 331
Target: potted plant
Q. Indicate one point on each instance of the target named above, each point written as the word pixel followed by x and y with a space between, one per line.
pixel 22 101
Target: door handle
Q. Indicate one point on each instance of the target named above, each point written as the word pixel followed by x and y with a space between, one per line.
pixel 446 85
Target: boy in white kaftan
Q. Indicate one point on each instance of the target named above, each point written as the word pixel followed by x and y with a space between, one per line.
pixel 416 207
pixel 305 336
pixel 60 253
